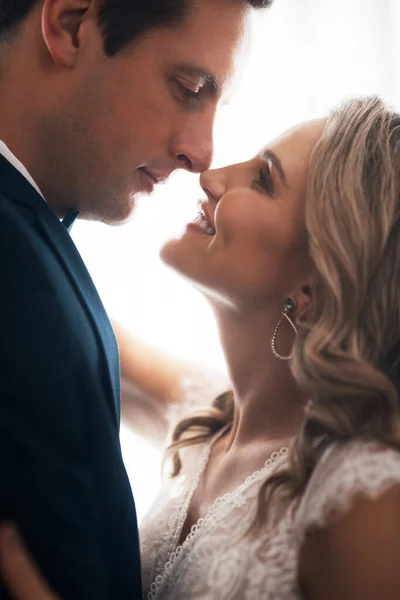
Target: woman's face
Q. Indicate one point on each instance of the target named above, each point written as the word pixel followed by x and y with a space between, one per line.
pixel 249 244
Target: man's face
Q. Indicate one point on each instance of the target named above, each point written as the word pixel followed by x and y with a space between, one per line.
pixel 132 119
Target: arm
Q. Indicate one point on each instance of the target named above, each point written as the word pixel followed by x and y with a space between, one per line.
pixel 152 371
pixel 18 569
pixel 357 556
pixel 157 387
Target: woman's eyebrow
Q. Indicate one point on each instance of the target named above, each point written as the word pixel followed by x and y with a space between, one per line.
pixel 271 156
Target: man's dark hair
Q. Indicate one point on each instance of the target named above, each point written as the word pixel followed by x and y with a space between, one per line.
pixel 121 20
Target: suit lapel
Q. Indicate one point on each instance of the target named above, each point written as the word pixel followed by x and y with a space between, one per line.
pixel 15 187
pixel 68 255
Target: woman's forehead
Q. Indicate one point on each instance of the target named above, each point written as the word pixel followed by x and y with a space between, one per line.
pixel 293 148
pixel 304 135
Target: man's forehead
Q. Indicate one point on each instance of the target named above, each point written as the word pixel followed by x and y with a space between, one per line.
pixel 211 38
pixel 220 77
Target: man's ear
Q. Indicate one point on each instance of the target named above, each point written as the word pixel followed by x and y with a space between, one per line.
pixel 63 23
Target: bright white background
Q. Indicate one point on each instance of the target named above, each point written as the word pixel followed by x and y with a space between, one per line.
pixel 306 55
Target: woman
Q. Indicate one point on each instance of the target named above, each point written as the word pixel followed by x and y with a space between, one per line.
pixel 289 487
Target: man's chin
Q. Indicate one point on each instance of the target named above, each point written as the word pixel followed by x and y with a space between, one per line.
pixel 116 213
pixel 120 218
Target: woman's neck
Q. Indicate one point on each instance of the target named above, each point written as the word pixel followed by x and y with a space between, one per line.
pixel 268 402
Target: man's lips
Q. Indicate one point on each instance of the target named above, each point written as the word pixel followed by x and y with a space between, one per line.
pixel 156 177
pixel 147 182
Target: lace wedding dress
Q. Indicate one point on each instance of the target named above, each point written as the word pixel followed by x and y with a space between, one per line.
pixel 217 561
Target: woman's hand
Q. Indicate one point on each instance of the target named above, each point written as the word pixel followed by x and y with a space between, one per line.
pixel 18 570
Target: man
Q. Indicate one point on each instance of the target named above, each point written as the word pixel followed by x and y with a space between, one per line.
pixel 99 100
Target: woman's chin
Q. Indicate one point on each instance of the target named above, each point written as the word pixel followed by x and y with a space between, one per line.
pixel 167 254
pixel 174 256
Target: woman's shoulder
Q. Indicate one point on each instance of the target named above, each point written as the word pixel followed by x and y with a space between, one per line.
pixel 348 525
pixel 345 472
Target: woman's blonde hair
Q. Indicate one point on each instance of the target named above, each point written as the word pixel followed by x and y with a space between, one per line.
pixel 346 354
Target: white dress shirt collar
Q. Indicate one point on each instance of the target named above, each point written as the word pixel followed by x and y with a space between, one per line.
pixel 13 160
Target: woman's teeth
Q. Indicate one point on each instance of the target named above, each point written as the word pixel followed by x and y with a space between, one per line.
pixel 202 222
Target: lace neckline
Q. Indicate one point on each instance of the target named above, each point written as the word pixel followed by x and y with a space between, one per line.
pixel 170 547
pixel 193 485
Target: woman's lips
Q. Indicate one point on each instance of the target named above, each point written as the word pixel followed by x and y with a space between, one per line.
pixel 202 221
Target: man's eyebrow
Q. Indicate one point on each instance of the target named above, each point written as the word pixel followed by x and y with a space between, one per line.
pixel 209 79
pixel 270 155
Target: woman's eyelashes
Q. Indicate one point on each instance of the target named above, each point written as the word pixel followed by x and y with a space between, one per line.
pixel 265 180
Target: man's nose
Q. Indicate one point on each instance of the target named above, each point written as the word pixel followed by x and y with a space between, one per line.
pixel 195 155
pixel 193 149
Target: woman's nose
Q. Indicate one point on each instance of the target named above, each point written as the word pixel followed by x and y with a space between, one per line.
pixel 213 183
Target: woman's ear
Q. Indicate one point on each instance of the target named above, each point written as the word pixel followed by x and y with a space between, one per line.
pixel 304 301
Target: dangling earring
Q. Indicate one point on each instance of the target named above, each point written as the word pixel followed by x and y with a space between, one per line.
pixel 290 306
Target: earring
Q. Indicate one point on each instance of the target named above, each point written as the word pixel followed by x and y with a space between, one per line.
pixel 290 306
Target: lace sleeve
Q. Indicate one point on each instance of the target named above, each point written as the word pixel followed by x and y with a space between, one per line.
pixel 344 472
pixel 197 392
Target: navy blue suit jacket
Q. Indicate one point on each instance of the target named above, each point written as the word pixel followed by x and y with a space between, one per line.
pixel 62 479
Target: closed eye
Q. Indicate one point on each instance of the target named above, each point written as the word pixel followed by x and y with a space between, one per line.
pixel 188 91
pixel 265 181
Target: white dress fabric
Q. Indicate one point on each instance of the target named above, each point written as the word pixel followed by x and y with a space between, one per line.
pixel 217 561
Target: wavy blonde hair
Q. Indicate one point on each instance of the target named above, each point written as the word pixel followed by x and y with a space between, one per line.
pixel 347 353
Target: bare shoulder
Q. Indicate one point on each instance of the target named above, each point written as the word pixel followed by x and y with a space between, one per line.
pixel 357 554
